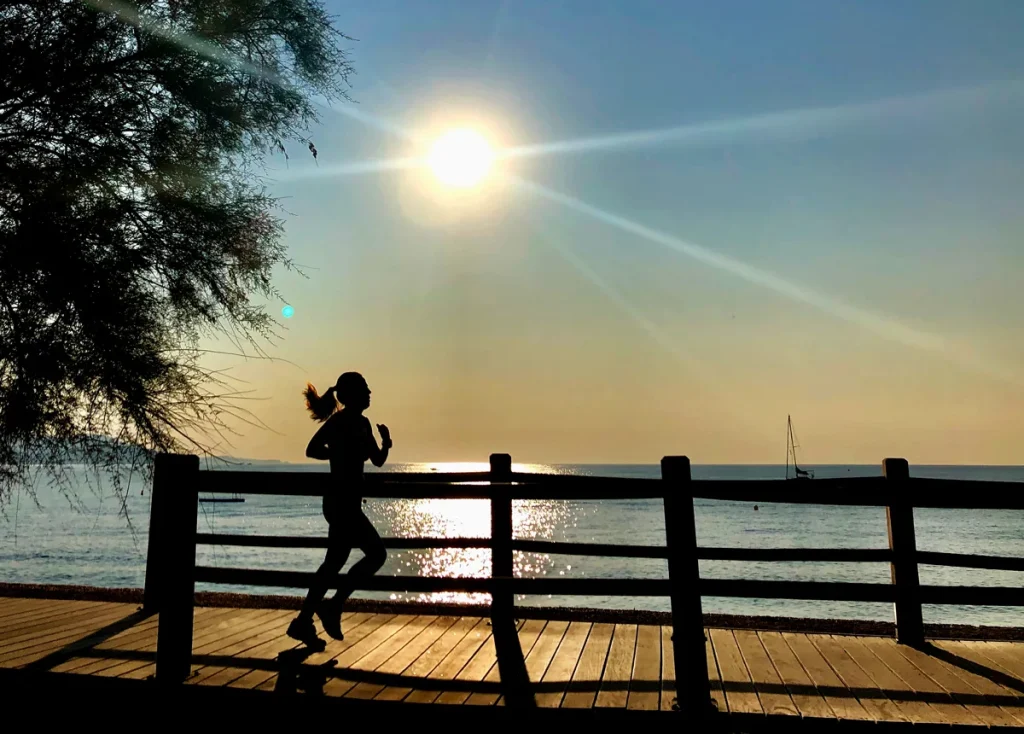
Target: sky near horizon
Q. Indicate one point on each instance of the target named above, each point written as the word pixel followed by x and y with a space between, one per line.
pixel 711 215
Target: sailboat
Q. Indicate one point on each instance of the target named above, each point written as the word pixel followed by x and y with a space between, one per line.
pixel 791 446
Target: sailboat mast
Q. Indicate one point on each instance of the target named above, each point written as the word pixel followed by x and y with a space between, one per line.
pixel 789 438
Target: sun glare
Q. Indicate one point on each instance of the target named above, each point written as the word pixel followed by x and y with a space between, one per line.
pixel 461 158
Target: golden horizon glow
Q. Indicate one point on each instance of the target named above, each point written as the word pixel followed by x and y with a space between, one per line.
pixel 461 158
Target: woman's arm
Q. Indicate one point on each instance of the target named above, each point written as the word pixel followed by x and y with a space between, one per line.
pixel 317 448
pixel 378 455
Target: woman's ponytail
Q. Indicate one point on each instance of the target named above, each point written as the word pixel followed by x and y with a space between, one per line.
pixel 321 407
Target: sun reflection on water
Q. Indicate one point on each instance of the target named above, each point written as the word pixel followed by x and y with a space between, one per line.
pixel 466 518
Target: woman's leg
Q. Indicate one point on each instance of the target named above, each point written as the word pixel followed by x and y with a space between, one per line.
pixel 339 547
pixel 367 539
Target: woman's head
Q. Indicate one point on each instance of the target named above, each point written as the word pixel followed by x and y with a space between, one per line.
pixel 350 390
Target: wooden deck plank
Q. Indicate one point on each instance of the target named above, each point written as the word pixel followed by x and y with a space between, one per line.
pixel 138 639
pixel 645 682
pixel 209 639
pixel 563 665
pixel 393 645
pixel 142 639
pixel 452 664
pixel 23 609
pixel 668 671
pixel 401 659
pixel 13 604
pixel 893 687
pixel 859 682
pixel 34 648
pixel 528 634
pixel 14 608
pixel 334 648
pixel 1008 655
pixel 538 659
pixel 808 701
pixel 38 615
pixel 55 629
pixel 340 683
pixel 273 649
pixel 483 660
pixel 431 658
pixel 949 710
pixel 268 631
pixel 825 675
pixel 387 651
pixel 95 659
pixel 582 689
pixel 991 679
pixel 771 691
pixel 740 696
pixel 63 618
pixel 714 673
pixel 956 683
pixel 977 652
pixel 614 691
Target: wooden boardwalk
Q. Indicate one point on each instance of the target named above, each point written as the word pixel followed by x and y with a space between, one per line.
pixel 452 661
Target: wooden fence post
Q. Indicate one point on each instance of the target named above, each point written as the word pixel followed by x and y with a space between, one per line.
pixel 899 515
pixel 693 689
pixel 156 553
pixel 502 602
pixel 175 479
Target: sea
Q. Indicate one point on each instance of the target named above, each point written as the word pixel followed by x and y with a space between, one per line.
pixel 86 533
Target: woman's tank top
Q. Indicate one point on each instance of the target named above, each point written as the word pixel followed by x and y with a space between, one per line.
pixel 348 444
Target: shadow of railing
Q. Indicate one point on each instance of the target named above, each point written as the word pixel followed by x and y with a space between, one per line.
pixel 971 666
pixel 88 643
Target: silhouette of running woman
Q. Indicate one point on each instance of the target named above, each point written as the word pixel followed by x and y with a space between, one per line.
pixel 346 440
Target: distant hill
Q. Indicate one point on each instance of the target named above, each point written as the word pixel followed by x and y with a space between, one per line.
pixel 241 460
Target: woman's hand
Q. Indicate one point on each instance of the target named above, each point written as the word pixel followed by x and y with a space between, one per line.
pixel 385 435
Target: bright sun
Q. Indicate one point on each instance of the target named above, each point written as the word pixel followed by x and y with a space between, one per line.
pixel 461 158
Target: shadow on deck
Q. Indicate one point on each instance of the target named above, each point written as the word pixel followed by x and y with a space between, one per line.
pixel 460 671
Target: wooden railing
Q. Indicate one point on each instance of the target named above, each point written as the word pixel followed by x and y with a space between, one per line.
pixel 171 572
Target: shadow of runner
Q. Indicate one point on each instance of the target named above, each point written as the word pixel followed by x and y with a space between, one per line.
pixel 74 649
pixel 515 680
pixel 293 676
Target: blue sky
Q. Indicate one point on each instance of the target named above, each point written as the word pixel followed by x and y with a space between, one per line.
pixel 887 186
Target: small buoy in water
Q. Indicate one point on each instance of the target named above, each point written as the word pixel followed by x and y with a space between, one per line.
pixel 755 508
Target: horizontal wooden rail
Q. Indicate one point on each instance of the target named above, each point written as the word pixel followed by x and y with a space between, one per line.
pixel 990 596
pixel 967 560
pixel 796 555
pixel 852 491
pixel 469 585
pixel 745 588
pixel 299 541
pixel 401 485
pixel 839 591
pixel 526 546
